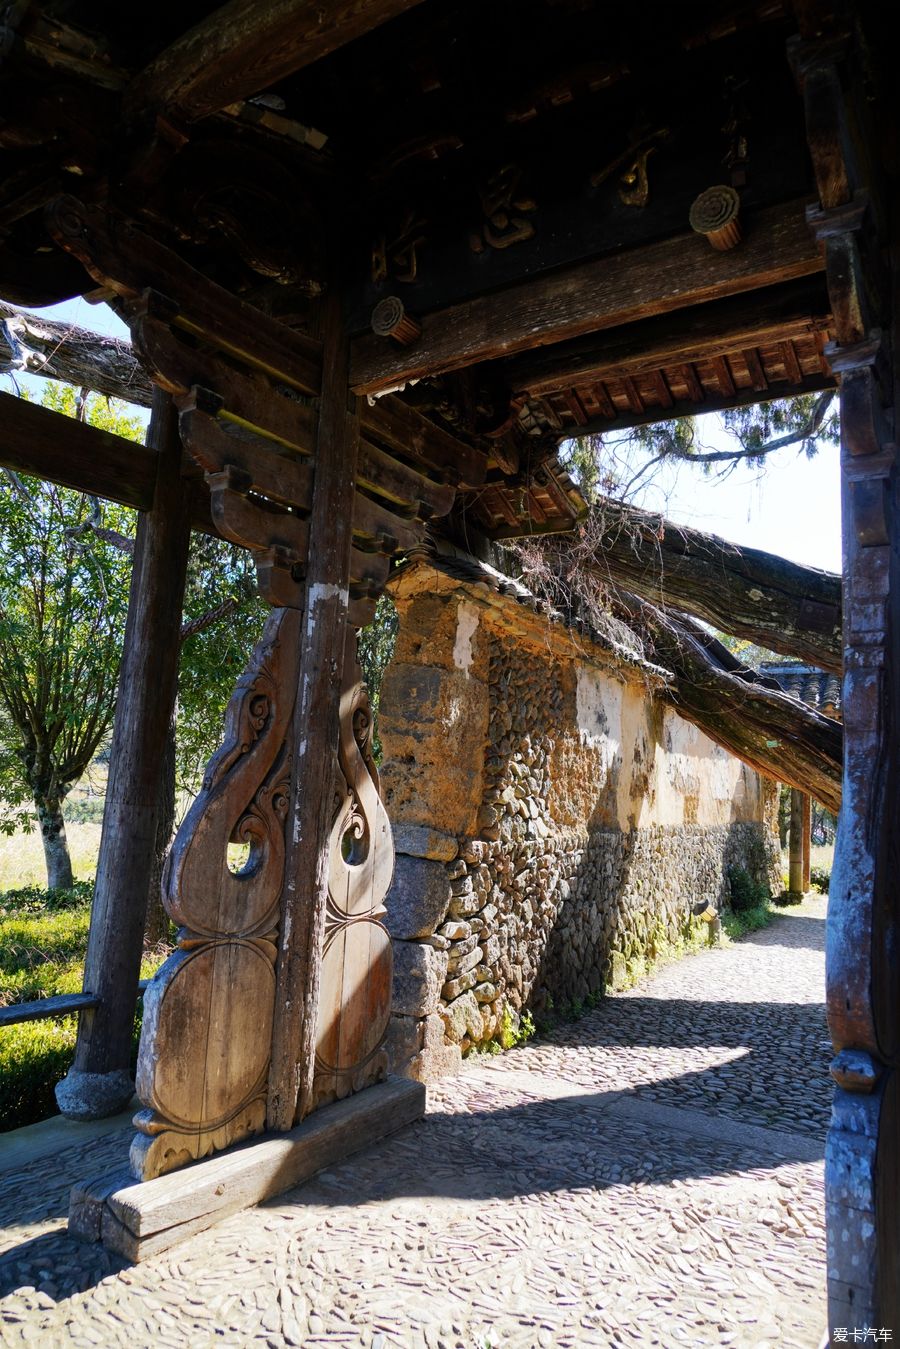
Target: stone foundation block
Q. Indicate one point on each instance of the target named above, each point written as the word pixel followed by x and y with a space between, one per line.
pixel 463 906
pixel 418 840
pixel 433 1064
pixel 419 974
pixel 403 1042
pixel 453 987
pixel 462 964
pixel 87 1096
pixel 418 898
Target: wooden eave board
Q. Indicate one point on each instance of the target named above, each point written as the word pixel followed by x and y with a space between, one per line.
pixel 672 389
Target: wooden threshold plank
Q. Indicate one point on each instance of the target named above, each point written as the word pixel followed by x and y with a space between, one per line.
pixel 655 279
pixel 140 1220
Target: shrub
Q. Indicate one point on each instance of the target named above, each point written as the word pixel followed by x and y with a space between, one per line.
pixel 33 1058
pixel 820 879
pixel 746 893
pixel 43 935
pixel 31 899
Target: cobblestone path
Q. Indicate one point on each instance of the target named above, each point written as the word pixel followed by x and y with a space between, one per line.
pixel 649 1175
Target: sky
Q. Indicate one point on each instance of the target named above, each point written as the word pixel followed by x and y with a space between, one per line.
pixel 791 506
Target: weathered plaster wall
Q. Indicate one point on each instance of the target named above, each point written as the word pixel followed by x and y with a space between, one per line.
pixel 554 821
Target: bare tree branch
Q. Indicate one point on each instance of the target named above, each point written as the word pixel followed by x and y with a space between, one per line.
pixel 745 713
pixel 807 431
pixel 207 620
pixel 749 593
pixel 63 351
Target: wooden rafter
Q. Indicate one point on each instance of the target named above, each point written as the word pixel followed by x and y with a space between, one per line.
pixel 623 420
pixel 244 47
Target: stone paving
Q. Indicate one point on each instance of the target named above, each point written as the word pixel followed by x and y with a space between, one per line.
pixel 649 1175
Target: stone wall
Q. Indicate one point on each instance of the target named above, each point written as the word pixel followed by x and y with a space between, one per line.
pixel 555 821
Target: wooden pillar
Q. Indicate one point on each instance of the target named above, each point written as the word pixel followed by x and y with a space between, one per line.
pixel 807 842
pixel 99 1082
pixel 316 734
pixel 847 93
pixel 795 865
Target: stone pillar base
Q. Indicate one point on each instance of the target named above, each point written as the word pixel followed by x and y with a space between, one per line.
pixel 87 1096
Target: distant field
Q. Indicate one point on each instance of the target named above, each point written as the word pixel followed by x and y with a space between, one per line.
pixel 22 856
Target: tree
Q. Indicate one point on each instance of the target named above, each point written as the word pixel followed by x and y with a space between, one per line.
pixel 750 594
pixel 63 598
pixel 66 562
pixel 623 463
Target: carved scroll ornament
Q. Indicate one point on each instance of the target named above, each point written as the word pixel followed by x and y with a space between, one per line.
pixel 357 961
pixel 206 1039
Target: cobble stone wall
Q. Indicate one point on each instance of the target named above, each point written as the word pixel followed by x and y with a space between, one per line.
pixel 555 825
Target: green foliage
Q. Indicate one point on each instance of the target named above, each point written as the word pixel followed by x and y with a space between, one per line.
pixel 515 1030
pixel 754 426
pixel 43 936
pixel 737 925
pixel 221 581
pixel 820 879
pixel 376 647
pixel 746 893
pixel 63 600
pixel 614 465
pixel 33 1058
pixel 34 900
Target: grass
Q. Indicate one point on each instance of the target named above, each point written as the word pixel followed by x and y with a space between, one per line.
pixel 22 855
pixel 738 925
pixel 43 937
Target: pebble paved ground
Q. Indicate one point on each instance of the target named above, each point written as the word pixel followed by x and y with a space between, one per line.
pixel 649 1175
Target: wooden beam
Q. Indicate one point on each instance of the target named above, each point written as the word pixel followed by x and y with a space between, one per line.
pixel 133 263
pixel 99 1082
pixel 736 323
pixel 50 445
pixel 244 47
pixel 611 291
pixel 64 1004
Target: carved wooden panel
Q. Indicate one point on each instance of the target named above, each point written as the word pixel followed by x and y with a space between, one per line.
pixel 265 416
pixel 206 1040
pixel 357 961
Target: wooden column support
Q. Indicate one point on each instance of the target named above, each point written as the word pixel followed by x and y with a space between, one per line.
pixel 316 734
pixel 863 979
pixel 807 842
pixel 795 870
pixel 99 1082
